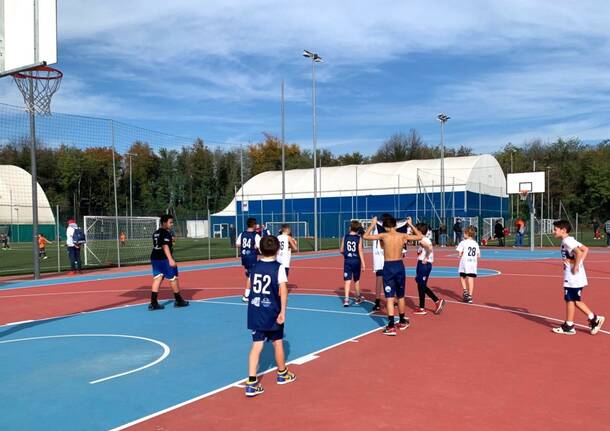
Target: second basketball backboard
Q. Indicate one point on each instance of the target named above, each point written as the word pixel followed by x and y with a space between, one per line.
pixel 531 182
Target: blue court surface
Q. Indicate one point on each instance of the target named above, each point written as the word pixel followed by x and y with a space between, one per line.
pixel 452 272
pixel 99 370
pixel 518 254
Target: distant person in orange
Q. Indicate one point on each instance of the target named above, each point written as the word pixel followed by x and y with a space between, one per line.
pixel 122 239
pixel 520 232
pixel 42 246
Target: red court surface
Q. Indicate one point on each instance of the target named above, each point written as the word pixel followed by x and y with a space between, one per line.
pixel 491 365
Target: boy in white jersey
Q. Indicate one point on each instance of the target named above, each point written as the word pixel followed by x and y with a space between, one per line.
pixel 378 262
pixel 574 280
pixel 469 252
pixel 425 257
pixel 287 245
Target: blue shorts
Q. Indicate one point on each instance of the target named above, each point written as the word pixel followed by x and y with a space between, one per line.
pixel 268 335
pixel 351 269
pixel 572 293
pixel 162 268
pixel 422 272
pixel 394 279
pixel 248 263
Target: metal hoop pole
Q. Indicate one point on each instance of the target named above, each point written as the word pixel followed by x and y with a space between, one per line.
pixel 34 179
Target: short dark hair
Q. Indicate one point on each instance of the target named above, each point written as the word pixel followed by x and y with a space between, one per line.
pixel 284 226
pixel 166 217
pixel 563 224
pixel 389 221
pixel 269 245
pixel 251 222
pixel 422 227
pixel 354 226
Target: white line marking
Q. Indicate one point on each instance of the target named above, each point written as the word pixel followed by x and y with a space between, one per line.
pixel 230 385
pixel 316 310
pixel 18 323
pixel 165 347
pixel 303 359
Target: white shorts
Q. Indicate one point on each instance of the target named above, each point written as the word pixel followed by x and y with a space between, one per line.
pixel 468 267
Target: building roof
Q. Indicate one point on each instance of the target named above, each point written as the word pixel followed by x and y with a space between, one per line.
pixel 472 173
pixel 16 198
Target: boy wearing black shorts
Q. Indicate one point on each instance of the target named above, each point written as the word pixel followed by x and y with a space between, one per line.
pixel 574 280
pixel 164 265
pixel 248 242
pixel 393 268
pixel 267 313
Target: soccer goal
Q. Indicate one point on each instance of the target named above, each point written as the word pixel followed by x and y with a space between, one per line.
pixel 365 225
pixel 135 236
pixel 489 224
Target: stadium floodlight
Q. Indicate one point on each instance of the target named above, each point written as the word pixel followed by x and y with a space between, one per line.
pixel 443 119
pixel 315 58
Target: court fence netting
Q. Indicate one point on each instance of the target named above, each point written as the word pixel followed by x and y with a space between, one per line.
pixel 116 179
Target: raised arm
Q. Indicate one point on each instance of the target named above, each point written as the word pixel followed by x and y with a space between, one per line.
pixel 418 235
pixel 367 235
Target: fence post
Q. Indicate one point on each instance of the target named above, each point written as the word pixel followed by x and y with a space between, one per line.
pixel 57 238
pixel 576 226
pixel 116 204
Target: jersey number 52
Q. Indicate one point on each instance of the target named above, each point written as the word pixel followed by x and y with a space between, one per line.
pixel 261 284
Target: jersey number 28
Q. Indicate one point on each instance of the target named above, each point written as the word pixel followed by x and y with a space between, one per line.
pixel 472 251
pixel 261 284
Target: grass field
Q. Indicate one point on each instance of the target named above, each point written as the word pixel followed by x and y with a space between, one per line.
pixel 18 260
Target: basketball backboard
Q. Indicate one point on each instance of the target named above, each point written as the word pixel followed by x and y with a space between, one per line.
pixel 28 34
pixel 532 182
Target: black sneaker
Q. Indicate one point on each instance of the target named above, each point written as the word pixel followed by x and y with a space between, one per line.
pixel 376 307
pixel 465 296
pixel 469 299
pixel 565 329
pixel 181 303
pixel 155 306
pixel 596 324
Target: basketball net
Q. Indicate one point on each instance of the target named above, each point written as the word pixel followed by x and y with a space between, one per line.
pixel 523 194
pixel 37 86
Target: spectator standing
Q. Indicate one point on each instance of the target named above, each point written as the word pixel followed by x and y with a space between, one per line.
pixel 73 246
pixel 607 228
pixel 457 231
pixel 232 235
pixel 442 230
pixel 499 233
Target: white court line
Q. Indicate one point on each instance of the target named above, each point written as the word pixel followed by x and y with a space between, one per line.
pixel 317 310
pixel 165 347
pixel 230 385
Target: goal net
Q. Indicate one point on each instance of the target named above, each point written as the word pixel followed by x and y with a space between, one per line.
pixel 135 236
pixel 489 224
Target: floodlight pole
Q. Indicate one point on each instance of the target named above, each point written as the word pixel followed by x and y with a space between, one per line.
pixel 283 159
pixel 315 58
pixel 32 112
pixel 443 119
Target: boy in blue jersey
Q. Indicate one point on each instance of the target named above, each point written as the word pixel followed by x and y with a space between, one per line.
pixel 393 268
pixel 353 261
pixel 248 242
pixel 267 314
pixel 163 264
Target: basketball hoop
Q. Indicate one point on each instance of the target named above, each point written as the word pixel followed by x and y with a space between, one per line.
pixel 523 194
pixel 44 81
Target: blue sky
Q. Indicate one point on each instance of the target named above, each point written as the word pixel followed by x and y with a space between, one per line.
pixel 503 70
